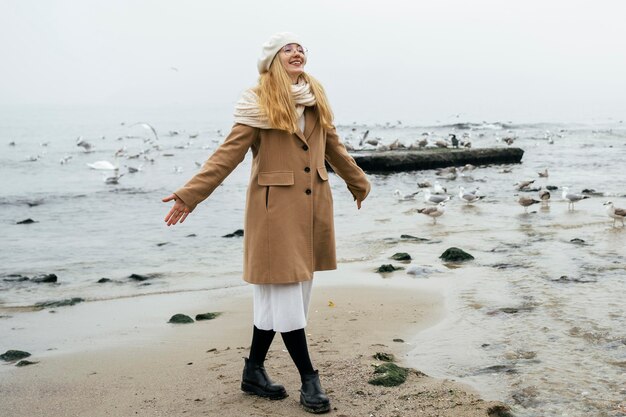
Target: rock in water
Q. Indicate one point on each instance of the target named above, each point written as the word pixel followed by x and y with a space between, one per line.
pixel 236 233
pixel 26 221
pixel 455 255
pixel 138 277
pixel 25 362
pixel 44 278
pixel 103 280
pixel 180 318
pixel 13 355
pixel 207 316
pixel 60 303
pixel 401 256
pixel 389 375
pixel 387 268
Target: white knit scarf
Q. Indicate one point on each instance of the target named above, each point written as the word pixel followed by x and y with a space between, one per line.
pixel 248 112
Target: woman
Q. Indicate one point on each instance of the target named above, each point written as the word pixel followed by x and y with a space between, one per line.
pixel 287 122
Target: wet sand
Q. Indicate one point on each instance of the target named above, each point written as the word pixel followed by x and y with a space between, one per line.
pixel 140 365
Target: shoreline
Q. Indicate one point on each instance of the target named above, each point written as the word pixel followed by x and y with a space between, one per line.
pixel 194 369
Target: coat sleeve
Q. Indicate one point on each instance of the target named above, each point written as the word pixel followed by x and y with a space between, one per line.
pixel 344 165
pixel 215 170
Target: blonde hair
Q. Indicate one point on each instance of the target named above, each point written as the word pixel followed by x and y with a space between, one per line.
pixel 275 100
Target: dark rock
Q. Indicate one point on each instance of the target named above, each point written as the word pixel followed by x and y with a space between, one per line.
pixel 25 362
pixel 388 268
pixel 191 235
pixel 60 303
pixel 401 256
pixel 398 340
pixel 236 233
pixel 389 375
pixel 552 187
pixel 455 255
pixel 162 243
pixel 26 221
pixel 416 160
pixel 499 411
pixel 566 279
pixel 44 278
pixel 13 355
pixel 592 192
pixel 385 357
pixel 507 266
pixel 15 278
pixel 180 318
pixel 526 397
pixel 207 316
pixel 415 238
pixel 139 277
pixel 103 280
pixel 578 241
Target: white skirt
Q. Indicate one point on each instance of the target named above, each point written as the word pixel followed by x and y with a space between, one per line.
pixel 281 307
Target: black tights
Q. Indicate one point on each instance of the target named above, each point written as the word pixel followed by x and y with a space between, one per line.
pixel 295 341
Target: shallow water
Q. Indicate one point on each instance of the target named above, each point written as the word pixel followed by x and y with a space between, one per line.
pixel 562 353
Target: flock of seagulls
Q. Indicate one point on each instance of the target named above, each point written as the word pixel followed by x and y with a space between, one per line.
pixel 147 152
pixel 435 196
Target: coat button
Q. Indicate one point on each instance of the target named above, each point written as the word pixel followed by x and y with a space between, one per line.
pixel 307 169
pixel 308 191
pixel 305 147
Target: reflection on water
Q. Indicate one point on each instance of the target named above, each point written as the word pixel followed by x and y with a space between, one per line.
pixel 536 320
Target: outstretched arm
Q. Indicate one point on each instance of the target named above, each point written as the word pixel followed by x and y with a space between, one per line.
pixel 214 171
pixel 345 166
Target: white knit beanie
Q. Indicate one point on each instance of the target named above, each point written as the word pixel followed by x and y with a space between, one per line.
pixel 272 46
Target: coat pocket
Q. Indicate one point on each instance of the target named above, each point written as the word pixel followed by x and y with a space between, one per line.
pixel 276 178
pixel 321 171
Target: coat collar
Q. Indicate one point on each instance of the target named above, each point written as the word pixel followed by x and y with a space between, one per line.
pixel 310 122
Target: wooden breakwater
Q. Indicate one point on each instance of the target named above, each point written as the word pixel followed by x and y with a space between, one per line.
pixel 416 160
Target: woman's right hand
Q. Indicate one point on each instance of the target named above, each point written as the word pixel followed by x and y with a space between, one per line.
pixel 178 212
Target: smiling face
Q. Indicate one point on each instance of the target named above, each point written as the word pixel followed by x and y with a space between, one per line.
pixel 293 58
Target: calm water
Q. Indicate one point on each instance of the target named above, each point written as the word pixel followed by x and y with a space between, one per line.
pixel 562 353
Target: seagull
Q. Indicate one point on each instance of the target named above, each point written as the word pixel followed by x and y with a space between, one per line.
pixel 469 197
pixel 572 198
pixel 434 212
pixel 147 126
pixel 441 144
pixel 434 198
pixel 523 184
pixel 527 202
pixel 83 144
pixel 104 165
pixel 544 173
pixel 405 197
pixel 615 213
pixel 65 159
pixel 438 189
pixel 544 196
pixel 424 184
pixel 113 180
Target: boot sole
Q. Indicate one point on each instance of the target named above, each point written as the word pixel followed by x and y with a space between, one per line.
pixel 254 390
pixel 320 409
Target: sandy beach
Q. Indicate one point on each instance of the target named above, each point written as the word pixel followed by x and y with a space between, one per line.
pixel 148 367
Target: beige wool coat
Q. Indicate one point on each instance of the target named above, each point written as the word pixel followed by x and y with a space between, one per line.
pixel 288 226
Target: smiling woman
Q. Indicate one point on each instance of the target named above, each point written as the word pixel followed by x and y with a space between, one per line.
pixel 289 227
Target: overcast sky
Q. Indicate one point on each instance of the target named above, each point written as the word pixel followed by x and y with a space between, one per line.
pixel 417 61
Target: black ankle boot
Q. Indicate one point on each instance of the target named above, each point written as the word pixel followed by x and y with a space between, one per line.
pixel 312 396
pixel 255 381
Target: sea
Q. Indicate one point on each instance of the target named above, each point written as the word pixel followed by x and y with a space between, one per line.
pixel 537 319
